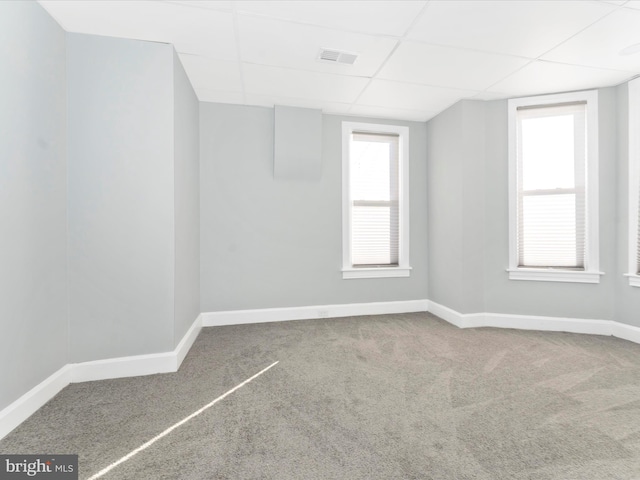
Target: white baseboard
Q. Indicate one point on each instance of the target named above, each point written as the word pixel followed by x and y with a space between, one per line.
pixel 122 367
pixel 27 404
pixel 18 411
pixel 187 341
pixel 236 317
pixel 137 365
pixel 626 332
pixel 461 320
pixel 533 322
pixel 448 314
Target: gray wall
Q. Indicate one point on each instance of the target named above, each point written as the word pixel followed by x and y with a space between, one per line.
pixel 120 200
pixel 627 299
pixel 277 243
pixel 473 188
pixel 445 207
pixel 547 298
pixel 33 273
pixel 455 187
pixel 468 218
pixel 187 202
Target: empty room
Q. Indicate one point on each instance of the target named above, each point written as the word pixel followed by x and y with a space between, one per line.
pixel 320 239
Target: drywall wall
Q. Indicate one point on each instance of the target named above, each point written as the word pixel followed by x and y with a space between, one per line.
pixel 468 218
pixel 120 197
pixel 627 298
pixel 446 207
pixel 33 276
pixel 473 188
pixel 267 243
pixel 187 201
pixel 588 301
pixel 455 186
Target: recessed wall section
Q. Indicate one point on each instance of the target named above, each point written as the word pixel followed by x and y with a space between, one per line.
pixel 297 143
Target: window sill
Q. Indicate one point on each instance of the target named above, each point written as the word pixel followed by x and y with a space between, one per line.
pixel 554 275
pixel 375 272
pixel 634 279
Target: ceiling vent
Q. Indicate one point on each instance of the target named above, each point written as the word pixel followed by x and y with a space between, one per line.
pixel 335 56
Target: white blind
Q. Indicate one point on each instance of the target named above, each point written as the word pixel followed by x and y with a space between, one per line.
pixel 552 152
pixel 374 191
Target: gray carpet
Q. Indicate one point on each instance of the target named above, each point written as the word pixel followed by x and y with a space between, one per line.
pixel 382 397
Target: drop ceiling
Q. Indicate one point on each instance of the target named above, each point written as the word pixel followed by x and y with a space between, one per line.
pixel 415 58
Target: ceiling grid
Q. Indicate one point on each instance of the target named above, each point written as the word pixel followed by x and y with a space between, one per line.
pixel 415 58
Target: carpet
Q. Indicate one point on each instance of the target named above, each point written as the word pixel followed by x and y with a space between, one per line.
pixel 404 396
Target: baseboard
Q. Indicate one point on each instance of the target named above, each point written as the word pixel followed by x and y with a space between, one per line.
pixel 187 341
pixel 533 322
pixel 237 317
pixel 460 320
pixel 27 404
pixel 18 411
pixel 137 365
pixel 448 314
pixel 122 367
pixel 626 332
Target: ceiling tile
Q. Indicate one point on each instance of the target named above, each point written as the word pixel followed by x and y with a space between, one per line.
pixel 407 96
pixel 391 113
pixel 600 44
pixel 490 96
pixel 213 74
pixel 211 4
pixel 192 30
pixel 216 96
pixel 271 100
pixel 548 77
pixel 284 82
pixel 376 17
pixel 523 28
pixel 448 67
pixel 279 43
pixel 479 49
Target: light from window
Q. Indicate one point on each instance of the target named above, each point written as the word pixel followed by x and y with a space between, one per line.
pixel 375 200
pixel 634 183
pixel 553 188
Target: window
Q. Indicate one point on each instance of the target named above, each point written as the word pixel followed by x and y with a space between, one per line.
pixel 634 183
pixel 375 190
pixel 553 180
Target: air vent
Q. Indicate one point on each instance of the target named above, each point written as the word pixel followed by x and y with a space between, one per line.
pixel 336 56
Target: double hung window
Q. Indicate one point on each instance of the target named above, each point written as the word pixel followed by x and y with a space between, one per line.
pixel 553 188
pixel 375 201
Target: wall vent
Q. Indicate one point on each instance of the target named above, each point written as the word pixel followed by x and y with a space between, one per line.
pixel 336 56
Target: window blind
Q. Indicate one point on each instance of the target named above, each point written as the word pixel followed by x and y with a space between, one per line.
pixel 551 166
pixel 374 194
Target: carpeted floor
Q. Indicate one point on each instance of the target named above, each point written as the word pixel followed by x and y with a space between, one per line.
pixel 381 397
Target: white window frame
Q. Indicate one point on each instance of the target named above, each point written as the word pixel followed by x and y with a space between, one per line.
pixel 591 273
pixel 634 180
pixel 403 269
